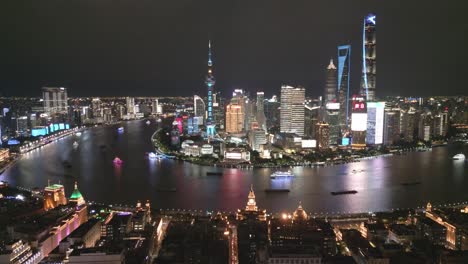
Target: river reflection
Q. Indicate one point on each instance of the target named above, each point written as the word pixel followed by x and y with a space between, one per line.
pixel 175 184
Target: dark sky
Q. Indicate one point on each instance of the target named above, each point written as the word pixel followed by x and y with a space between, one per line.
pixel 159 48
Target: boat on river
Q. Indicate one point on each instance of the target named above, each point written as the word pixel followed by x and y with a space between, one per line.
pixel 117 161
pixel 281 174
pixel 459 156
pixel 344 192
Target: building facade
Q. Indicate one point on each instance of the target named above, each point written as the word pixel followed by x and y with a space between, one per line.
pixel 292 110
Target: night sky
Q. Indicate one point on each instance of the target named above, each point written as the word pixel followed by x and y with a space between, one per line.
pixel 159 48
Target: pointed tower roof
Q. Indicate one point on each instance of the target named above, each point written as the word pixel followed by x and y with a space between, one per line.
pixel 331 66
pixel 300 214
pixel 251 204
pixel 76 196
pixel 210 62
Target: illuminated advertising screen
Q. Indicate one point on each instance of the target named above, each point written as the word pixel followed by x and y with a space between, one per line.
pixel 309 143
pixel 345 141
pixel 233 155
pixel 38 131
pixel 333 106
pixel 358 121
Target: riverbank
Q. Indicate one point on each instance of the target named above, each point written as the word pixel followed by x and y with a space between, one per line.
pixel 47 140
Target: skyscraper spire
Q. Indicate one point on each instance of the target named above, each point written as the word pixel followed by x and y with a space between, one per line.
pixel 331 66
pixel 210 62
pixel 251 204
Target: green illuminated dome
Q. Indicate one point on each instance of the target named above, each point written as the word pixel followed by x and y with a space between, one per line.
pixel 76 196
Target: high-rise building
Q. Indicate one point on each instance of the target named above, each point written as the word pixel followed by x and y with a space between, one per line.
pixel 440 124
pixel 261 119
pixel 210 82
pixel 331 84
pixel 311 117
pixel 272 112
pixel 55 100
pixel 130 105
pixel 409 124
pixel 54 195
pixel 344 67
pixel 96 108
pixel 358 122
pixel 22 126
pixel 332 117
pixel 292 110
pixel 218 110
pixel 234 118
pixel 199 107
pixel 375 123
pixel 425 126
pixel 155 106
pixel 257 139
pixel 391 126
pixel 323 134
pixel 368 58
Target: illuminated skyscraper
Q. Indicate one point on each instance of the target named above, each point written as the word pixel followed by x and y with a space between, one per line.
pixel 375 123
pixel 331 84
pixel 199 108
pixel 344 67
pixel 55 100
pixel 292 110
pixel 234 117
pixel 261 119
pixel 358 122
pixel 210 82
pixel 130 105
pixel 322 135
pixel 368 58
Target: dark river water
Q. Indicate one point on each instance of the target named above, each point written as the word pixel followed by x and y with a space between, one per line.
pixel 378 181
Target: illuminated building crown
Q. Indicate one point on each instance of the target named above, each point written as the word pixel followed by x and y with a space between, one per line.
pixel 251 204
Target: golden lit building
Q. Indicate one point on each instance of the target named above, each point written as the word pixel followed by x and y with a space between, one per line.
pixel 4 154
pixel 251 210
pixel 457 235
pixel 54 195
pixel 323 135
pixel 234 118
pixel 300 214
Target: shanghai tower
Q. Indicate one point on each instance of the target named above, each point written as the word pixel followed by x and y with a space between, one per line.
pixel 368 58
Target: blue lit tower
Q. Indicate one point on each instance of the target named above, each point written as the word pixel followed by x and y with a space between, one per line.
pixel 368 58
pixel 210 82
pixel 344 67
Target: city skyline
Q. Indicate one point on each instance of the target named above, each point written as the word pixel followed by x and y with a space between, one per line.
pixel 255 50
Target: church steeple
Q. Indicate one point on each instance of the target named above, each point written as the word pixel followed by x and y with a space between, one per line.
pixel 251 204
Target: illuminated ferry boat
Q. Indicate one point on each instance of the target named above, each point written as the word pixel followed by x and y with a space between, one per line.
pixel 281 174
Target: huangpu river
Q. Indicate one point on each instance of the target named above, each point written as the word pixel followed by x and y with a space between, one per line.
pixel 383 183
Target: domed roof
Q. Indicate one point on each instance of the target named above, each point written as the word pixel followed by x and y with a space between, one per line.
pixel 76 196
pixel 300 214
